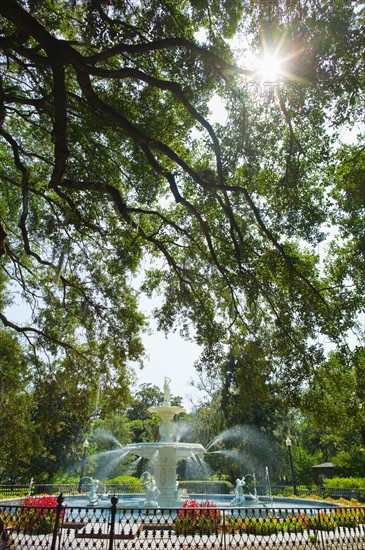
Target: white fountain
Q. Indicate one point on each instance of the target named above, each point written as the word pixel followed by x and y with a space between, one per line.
pixel 165 454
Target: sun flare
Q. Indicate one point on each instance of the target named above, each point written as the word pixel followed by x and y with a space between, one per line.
pixel 268 68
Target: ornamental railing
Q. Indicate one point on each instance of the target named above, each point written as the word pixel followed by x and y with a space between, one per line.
pixel 114 527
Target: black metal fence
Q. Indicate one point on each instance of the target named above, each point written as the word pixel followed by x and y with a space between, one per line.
pixel 112 527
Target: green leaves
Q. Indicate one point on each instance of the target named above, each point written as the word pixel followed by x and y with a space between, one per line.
pixel 110 160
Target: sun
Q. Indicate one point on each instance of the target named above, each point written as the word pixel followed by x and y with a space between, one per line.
pixel 268 68
pixel 275 62
pixel 278 62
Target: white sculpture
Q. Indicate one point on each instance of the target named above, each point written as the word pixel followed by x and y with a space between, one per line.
pixel 151 490
pixel 93 497
pixel 166 391
pixel 239 496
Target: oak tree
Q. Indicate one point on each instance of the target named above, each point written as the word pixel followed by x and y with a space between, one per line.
pixel 112 166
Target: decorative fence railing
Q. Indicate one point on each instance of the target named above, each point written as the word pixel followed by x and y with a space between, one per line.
pixel 111 527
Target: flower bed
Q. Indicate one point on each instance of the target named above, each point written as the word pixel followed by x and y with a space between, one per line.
pixel 36 515
pixel 298 523
pixel 202 517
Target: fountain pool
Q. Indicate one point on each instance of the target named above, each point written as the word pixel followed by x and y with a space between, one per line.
pixel 271 504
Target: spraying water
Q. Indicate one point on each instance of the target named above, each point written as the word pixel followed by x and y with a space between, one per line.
pixel 268 484
pixel 163 456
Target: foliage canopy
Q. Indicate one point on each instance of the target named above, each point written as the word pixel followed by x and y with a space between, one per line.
pixel 112 165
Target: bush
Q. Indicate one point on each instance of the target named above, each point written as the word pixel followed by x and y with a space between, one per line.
pixel 123 480
pixel 298 523
pixel 122 484
pixel 344 483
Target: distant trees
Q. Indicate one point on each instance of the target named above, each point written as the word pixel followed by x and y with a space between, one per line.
pixel 18 434
pixel 333 405
pixel 45 417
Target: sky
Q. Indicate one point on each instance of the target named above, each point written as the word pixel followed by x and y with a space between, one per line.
pixel 173 357
pixel 170 356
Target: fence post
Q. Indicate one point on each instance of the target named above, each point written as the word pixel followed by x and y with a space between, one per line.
pixel 224 530
pixel 114 501
pixel 60 500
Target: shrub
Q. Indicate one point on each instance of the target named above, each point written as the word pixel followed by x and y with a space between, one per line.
pixel 268 525
pixel 298 523
pixel 121 480
pixel 123 484
pixel 344 483
pixel 262 526
pixel 344 501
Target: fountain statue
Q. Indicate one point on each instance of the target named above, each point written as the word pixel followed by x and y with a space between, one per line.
pixel 167 392
pixel 240 497
pixel 93 499
pixel 238 491
pixel 151 490
pixel 165 454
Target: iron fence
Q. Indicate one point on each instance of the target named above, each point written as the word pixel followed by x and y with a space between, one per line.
pixel 112 527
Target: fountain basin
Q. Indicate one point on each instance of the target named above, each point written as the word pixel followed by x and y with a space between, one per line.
pixel 181 451
pixel 134 502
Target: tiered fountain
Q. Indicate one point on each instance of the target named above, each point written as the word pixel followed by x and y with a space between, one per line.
pixel 165 454
pixel 161 487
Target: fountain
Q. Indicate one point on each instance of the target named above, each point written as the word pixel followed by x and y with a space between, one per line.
pixel 165 454
pixel 161 486
pixel 268 484
pixel 239 499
